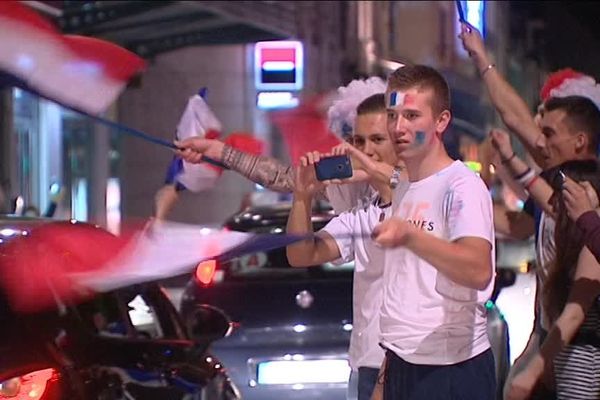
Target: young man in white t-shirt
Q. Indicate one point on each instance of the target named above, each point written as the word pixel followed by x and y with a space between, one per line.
pixel 346 237
pixel 440 259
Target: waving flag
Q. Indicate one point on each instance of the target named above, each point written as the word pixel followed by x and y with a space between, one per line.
pixel 81 72
pixel 63 262
pixel 199 120
pixel 304 129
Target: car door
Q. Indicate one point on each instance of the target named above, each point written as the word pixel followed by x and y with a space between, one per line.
pixel 135 348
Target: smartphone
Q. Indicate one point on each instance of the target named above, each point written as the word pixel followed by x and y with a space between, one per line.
pixel 461 13
pixel 335 167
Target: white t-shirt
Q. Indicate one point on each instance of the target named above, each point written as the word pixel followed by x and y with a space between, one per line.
pixel 344 197
pixel 426 318
pixel 367 288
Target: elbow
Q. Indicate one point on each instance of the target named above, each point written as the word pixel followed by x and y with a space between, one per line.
pixel 294 259
pixel 482 278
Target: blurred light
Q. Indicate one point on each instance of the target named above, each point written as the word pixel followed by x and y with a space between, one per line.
pixel 298 386
pixel 300 373
pixel 347 327
pixel 8 232
pixel 390 65
pixel 474 166
pixel 79 198
pixel 492 169
pixel 18 93
pixel 297 357
pixel 523 267
pixel 252 383
pixel 205 271
pixel 205 231
pixel 299 328
pixel 275 100
pixel 113 205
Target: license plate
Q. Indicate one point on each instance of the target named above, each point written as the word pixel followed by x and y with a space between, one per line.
pixel 303 371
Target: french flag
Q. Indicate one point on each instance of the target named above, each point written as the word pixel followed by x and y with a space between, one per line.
pixel 81 72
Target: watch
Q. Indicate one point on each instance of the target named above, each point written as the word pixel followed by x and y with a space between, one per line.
pixel 395 178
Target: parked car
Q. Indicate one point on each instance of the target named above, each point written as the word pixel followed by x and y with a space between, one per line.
pixel 129 343
pixel 293 324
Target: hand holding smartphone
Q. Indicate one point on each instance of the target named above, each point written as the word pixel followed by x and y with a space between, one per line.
pixel 335 167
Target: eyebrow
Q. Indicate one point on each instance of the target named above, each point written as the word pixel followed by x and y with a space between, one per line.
pixel 547 129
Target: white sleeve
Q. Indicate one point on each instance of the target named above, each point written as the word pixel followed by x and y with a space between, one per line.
pixel 468 210
pixel 341 228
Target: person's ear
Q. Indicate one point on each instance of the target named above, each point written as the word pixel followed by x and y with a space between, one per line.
pixel 581 142
pixel 442 122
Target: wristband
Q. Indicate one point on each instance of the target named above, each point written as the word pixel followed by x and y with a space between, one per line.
pixel 527 171
pixel 530 183
pixel 486 69
pixel 507 160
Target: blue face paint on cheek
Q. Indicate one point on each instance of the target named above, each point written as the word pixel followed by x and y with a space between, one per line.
pixel 419 138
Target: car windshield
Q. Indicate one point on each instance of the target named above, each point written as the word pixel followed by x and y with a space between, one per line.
pixel 273 265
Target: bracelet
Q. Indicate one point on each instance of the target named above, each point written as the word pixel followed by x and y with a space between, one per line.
pixel 528 179
pixel 507 160
pixel 530 183
pixel 395 178
pixel 520 176
pixel 486 69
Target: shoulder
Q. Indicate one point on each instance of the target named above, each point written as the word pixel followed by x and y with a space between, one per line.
pixel 462 177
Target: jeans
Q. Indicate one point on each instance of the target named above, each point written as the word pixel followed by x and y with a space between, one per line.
pixel 362 383
pixel 473 379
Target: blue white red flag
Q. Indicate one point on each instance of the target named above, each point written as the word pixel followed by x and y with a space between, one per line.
pixel 84 73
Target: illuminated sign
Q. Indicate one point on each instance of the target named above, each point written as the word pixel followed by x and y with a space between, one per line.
pixel 278 65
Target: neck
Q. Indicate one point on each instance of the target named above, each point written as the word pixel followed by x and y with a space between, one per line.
pixel 427 164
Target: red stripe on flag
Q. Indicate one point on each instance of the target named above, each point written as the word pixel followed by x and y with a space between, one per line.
pixel 304 129
pixel 116 62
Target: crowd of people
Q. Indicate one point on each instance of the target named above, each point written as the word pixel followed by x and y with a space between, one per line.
pixel 421 227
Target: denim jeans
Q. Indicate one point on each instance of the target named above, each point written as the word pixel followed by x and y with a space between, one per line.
pixel 362 383
pixel 473 379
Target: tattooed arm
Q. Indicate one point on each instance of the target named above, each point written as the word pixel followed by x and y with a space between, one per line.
pixel 263 170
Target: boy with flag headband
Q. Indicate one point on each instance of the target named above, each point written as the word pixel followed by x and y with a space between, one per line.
pixel 439 264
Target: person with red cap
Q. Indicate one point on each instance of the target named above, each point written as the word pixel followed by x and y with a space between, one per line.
pixel 565 128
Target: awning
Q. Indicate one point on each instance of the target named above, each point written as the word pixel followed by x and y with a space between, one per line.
pixel 152 27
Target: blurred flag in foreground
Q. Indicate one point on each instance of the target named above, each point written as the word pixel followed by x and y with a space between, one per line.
pixel 65 262
pixel 81 72
pixel 304 129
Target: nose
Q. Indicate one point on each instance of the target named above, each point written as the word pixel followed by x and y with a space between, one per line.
pixel 540 142
pixel 397 127
pixel 368 148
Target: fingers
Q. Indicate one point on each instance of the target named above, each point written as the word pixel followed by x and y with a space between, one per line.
pixel 591 194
